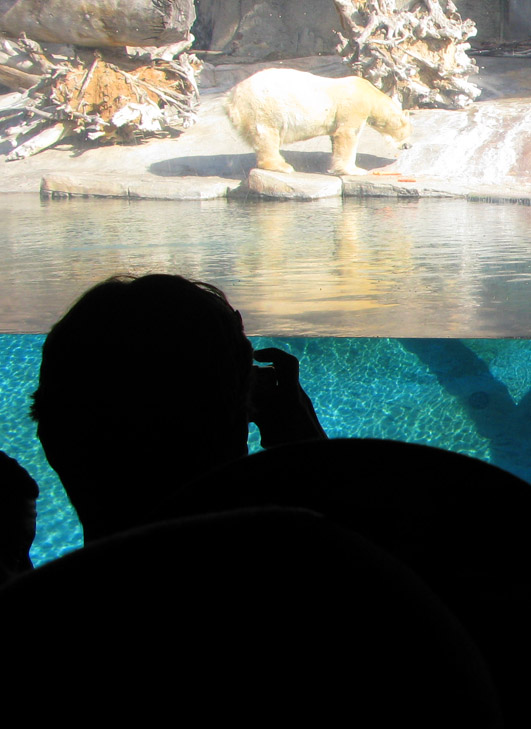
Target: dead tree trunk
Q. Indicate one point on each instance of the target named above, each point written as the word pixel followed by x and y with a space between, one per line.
pixel 13 78
pixel 97 95
pixel 99 23
pixel 416 55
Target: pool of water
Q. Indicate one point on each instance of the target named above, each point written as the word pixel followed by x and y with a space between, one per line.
pixel 412 317
pixel 471 396
pixel 355 268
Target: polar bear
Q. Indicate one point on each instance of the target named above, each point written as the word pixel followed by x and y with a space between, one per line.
pixel 281 105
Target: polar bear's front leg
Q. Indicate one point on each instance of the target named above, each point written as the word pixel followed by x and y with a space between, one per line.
pixel 267 149
pixel 344 151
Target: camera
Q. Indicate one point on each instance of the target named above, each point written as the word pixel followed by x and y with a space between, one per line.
pixel 262 383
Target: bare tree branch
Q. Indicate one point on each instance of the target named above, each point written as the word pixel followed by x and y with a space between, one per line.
pixel 416 55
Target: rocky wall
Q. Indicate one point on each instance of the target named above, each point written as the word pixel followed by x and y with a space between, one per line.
pixel 488 15
pixel 266 29
pixel 276 29
pixel 518 25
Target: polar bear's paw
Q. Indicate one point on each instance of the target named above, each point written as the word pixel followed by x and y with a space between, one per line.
pixel 347 171
pixel 279 166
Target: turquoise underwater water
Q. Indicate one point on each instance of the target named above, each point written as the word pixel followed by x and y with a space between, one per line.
pixel 471 396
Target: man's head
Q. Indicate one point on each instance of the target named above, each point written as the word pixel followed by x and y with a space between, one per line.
pixel 142 386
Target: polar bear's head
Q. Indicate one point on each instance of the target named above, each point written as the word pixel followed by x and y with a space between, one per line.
pixel 395 127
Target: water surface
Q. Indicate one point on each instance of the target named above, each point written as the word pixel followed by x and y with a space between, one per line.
pixel 370 267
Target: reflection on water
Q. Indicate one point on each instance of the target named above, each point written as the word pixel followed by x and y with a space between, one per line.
pixel 469 396
pixel 371 267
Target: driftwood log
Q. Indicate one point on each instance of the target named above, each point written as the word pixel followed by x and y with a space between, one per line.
pixel 15 78
pixel 417 55
pixel 99 23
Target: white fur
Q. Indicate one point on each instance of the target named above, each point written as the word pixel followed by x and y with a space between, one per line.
pixel 278 106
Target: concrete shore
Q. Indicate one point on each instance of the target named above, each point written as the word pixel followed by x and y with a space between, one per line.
pixel 482 153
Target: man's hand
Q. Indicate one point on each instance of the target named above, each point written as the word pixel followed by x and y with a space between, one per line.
pixel 278 405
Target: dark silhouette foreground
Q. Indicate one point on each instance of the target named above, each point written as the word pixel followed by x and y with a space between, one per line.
pixel 461 524
pixel 275 614
pixel 18 515
pixel 147 383
pixel 353 577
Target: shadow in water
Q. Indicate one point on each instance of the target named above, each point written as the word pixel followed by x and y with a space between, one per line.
pixel 486 400
pixel 238 166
